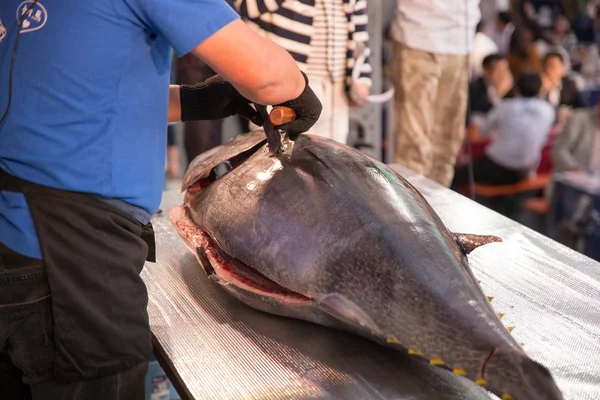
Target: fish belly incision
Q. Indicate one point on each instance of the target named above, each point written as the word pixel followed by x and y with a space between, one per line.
pixel 229 270
pixel 232 271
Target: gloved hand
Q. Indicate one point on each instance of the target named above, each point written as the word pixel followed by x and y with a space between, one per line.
pixel 215 98
pixel 308 110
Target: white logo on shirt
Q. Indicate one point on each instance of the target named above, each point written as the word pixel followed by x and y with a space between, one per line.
pixel 2 29
pixel 34 18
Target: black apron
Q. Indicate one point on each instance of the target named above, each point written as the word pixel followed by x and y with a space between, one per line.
pixel 94 254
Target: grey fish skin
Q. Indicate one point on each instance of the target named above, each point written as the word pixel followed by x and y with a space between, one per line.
pixel 363 251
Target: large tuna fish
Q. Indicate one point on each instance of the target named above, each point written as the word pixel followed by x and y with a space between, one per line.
pixel 323 233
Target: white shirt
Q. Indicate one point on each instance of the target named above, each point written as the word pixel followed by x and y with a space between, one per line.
pixel 554 95
pixel 490 8
pixel 502 39
pixel 481 47
pixel 502 5
pixel 437 26
pixel 522 126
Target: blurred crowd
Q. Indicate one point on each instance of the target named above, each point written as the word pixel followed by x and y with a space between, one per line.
pixel 534 86
pixel 523 79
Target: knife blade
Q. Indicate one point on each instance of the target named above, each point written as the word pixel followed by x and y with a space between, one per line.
pixel 278 116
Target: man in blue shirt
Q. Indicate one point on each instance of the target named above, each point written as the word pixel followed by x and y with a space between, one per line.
pixel 84 104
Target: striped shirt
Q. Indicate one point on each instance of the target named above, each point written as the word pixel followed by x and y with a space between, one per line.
pixel 299 27
pixel 328 44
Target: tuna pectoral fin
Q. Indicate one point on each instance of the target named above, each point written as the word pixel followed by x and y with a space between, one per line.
pixel 346 310
pixel 204 262
pixel 234 151
pixel 468 242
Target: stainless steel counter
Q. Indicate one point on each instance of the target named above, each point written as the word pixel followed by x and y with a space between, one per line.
pixel 215 347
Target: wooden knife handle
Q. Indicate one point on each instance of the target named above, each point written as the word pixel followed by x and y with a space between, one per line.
pixel 282 115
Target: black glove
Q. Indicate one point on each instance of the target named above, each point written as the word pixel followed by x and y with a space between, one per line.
pixel 308 110
pixel 215 98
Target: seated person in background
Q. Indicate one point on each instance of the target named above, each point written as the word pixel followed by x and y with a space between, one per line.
pixel 523 53
pixel 522 125
pixel 590 65
pixel 563 35
pixel 481 47
pixel 557 88
pixel 501 31
pixel 496 83
pixel 546 42
pixel 578 146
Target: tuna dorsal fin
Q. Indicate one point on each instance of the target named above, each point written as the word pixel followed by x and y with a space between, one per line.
pixel 468 242
pixel 339 306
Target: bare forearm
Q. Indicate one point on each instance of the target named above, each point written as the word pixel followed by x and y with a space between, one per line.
pixel 280 79
pixel 250 69
pixel 259 69
pixel 174 114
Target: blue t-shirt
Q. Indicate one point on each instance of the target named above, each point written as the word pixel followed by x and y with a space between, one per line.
pixel 90 98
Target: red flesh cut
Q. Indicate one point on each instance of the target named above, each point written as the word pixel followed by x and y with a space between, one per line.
pixel 227 269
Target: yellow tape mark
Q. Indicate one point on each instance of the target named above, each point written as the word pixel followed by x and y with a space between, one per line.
pixel 481 382
pixel 414 352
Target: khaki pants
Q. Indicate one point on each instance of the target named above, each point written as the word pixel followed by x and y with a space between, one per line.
pixel 431 103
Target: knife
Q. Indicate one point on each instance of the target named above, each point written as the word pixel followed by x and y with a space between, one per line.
pixel 278 116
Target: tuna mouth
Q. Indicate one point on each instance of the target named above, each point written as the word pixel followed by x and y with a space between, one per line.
pixel 226 269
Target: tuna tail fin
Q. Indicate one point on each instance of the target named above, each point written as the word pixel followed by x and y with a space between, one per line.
pixel 510 374
pixel 468 242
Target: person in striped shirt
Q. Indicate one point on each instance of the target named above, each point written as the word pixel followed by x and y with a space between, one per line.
pixel 329 41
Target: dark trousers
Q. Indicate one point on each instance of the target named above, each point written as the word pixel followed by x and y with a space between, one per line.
pixel 27 346
pixel 486 171
pixel 171 136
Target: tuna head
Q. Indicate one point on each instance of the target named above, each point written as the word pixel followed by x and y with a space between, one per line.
pixel 324 233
